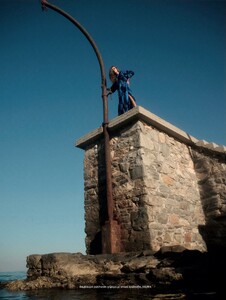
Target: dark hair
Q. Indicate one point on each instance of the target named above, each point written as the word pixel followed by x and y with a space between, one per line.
pixel 112 74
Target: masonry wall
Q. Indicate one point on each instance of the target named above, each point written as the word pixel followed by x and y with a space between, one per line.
pixel 155 190
pixel 210 170
pixel 172 197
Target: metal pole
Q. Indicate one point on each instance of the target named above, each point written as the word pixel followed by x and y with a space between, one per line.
pixel 108 232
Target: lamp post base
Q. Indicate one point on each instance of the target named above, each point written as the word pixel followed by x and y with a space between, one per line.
pixel 111 241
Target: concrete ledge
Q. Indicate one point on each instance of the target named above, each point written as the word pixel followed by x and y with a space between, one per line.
pixel 89 138
pixel 138 113
pixel 135 114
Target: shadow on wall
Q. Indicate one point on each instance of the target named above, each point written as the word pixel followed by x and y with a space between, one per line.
pixel 96 241
pixel 211 174
pixel 96 244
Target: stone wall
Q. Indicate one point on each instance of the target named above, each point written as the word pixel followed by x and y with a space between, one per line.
pixel 154 190
pixel 95 210
pixel 172 196
pixel 166 190
pixel 210 170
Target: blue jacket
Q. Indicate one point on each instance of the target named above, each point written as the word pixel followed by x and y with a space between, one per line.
pixel 122 85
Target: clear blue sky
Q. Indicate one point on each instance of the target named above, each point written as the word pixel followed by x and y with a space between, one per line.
pixel 50 96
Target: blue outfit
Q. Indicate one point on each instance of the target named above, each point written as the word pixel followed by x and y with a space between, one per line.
pixel 122 85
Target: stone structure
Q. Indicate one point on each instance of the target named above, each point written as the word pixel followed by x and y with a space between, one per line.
pixel 168 187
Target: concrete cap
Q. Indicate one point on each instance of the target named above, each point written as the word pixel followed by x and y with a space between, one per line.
pixel 138 113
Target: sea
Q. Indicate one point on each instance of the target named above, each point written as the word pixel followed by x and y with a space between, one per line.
pixel 94 293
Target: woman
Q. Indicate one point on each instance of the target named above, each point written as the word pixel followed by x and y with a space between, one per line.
pixel 120 80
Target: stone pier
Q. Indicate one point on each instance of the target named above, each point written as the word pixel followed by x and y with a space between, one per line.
pixel 167 187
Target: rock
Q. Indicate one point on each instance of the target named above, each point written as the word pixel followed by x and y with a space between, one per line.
pixel 140 264
pixel 167 249
pixel 170 269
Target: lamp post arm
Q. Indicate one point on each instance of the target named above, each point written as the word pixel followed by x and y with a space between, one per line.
pixel 109 195
pixel 45 4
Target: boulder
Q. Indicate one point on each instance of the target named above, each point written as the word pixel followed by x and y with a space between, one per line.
pixel 171 268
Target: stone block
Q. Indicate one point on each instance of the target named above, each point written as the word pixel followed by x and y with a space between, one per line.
pixel 137 172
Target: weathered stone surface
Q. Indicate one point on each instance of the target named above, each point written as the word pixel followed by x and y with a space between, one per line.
pixel 154 189
pixel 171 269
pixel 211 174
pixel 165 189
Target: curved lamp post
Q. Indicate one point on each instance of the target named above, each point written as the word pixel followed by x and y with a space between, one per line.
pixel 110 231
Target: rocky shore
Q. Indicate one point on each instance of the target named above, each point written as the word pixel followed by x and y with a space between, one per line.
pixel 171 269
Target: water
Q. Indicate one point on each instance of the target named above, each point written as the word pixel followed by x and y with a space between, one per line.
pixel 91 294
pixel 9 276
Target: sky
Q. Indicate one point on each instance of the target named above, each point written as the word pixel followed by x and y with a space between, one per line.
pixel 50 96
